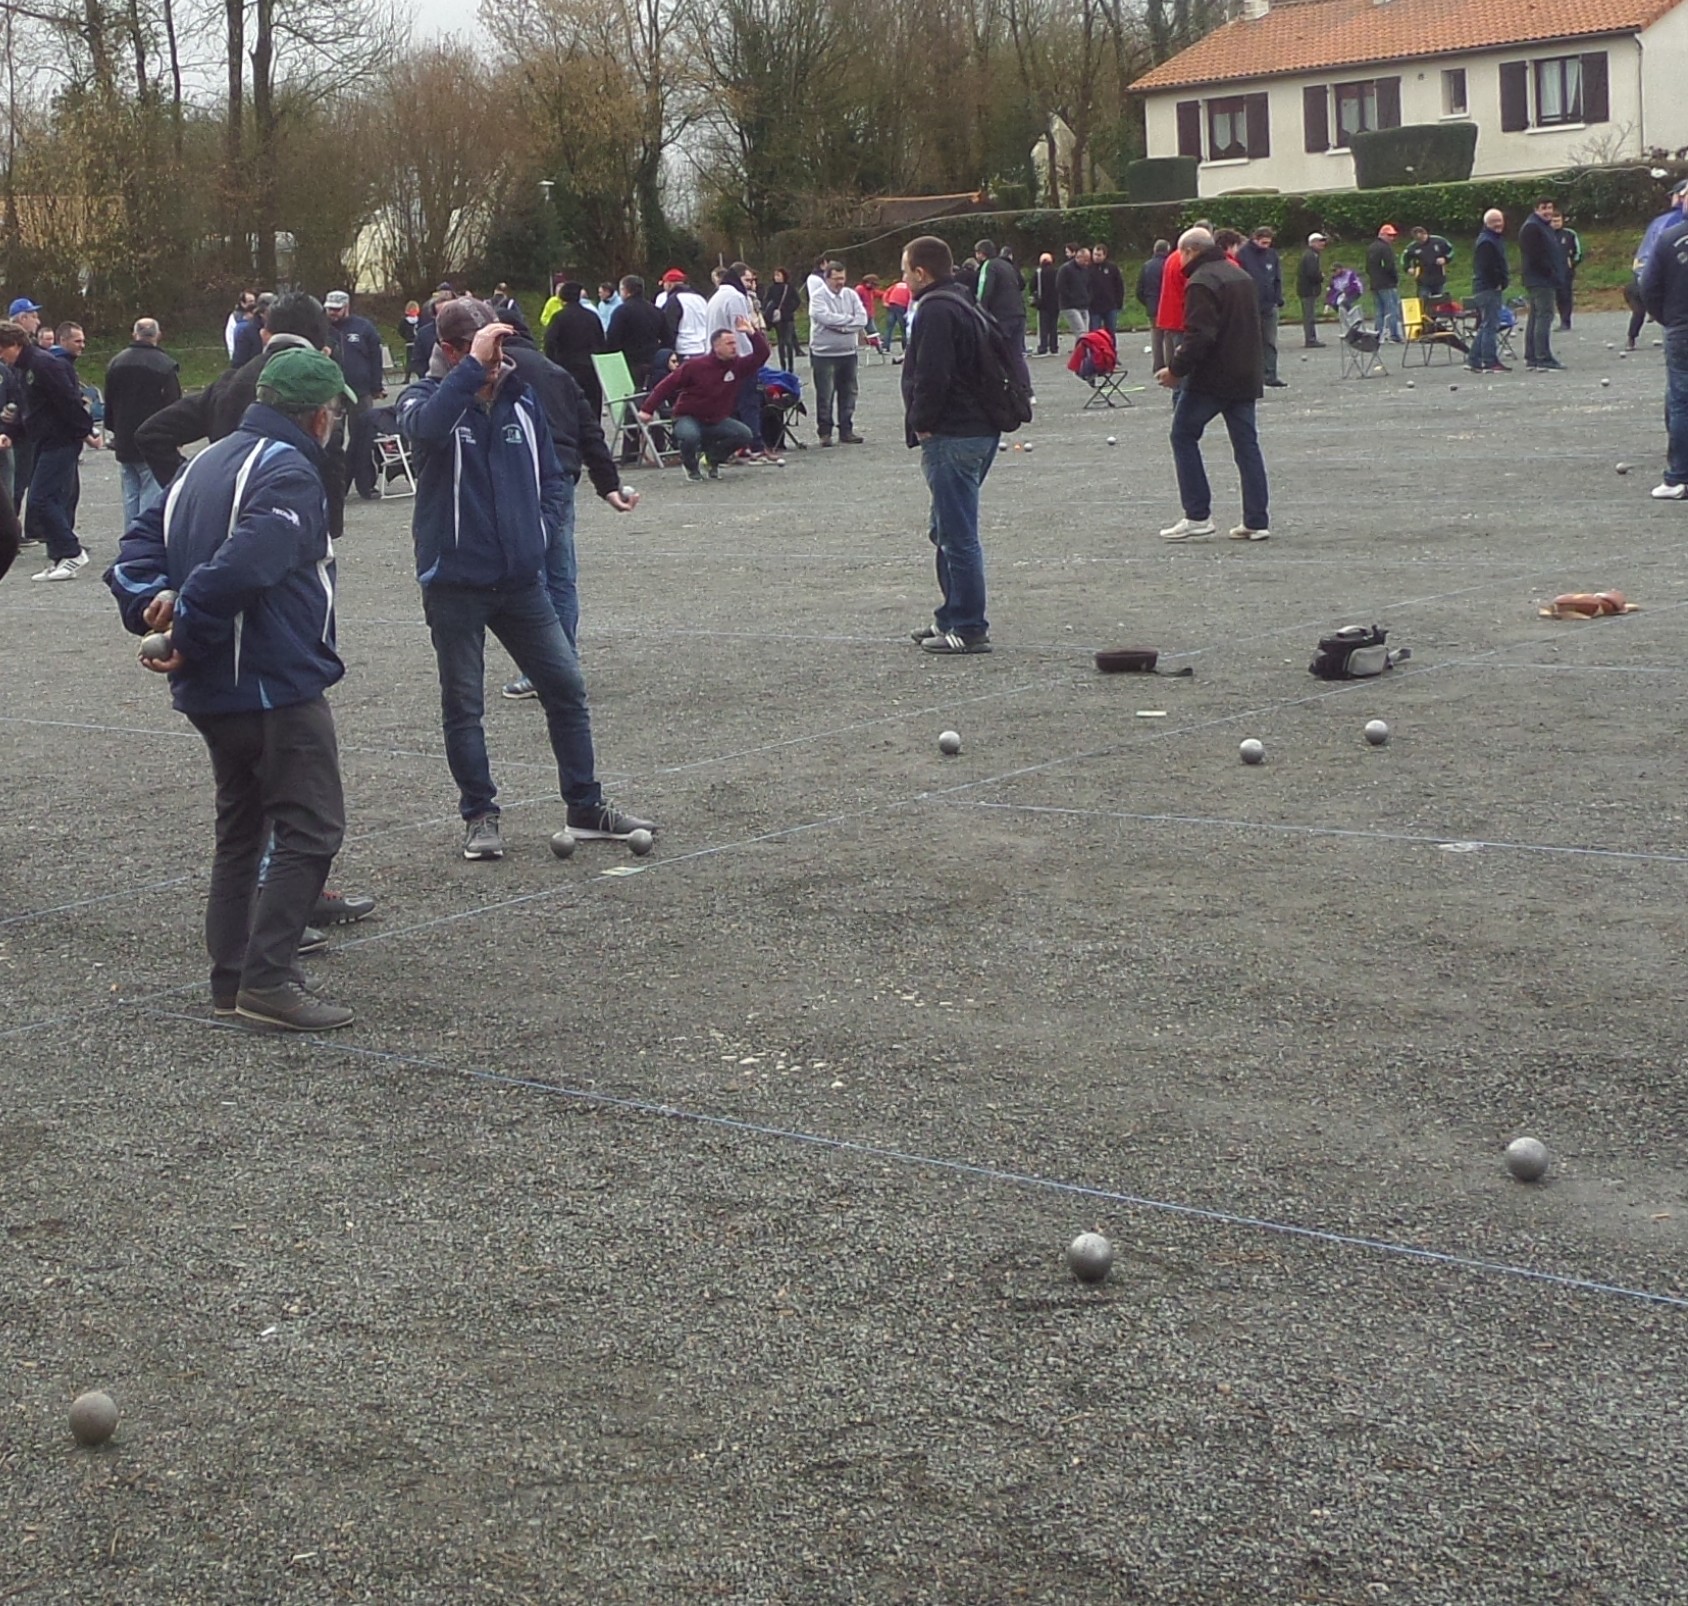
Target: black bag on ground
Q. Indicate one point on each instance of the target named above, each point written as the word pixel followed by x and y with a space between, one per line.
pixel 1355 652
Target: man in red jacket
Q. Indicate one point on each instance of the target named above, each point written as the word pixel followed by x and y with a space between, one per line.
pixel 705 392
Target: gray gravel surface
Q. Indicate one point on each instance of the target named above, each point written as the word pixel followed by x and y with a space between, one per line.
pixel 697 1234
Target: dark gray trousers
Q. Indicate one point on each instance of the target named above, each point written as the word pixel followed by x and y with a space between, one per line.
pixel 279 767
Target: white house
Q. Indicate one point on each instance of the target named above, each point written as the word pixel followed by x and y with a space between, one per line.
pixel 1270 100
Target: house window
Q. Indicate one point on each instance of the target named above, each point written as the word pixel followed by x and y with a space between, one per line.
pixel 1453 92
pixel 1559 91
pixel 1227 129
pixel 1362 107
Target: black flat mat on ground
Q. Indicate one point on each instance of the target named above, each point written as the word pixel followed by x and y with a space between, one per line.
pixel 691 1228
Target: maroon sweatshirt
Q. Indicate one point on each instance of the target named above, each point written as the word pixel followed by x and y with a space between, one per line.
pixel 705 388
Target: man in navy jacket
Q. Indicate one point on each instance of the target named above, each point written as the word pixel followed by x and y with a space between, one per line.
pixel 490 494
pixel 1543 268
pixel 358 348
pixel 237 568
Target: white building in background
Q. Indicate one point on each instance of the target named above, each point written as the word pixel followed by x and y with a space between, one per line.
pixel 1271 100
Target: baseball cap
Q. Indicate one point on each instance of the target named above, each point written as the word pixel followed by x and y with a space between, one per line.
pixel 1317 239
pixel 336 298
pixel 674 276
pixel 1390 230
pixel 22 305
pixel 459 319
pixel 300 378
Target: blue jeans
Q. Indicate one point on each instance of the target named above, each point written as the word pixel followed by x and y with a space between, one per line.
pixel 955 467
pixel 561 570
pixel 1389 315
pixel 1192 412
pixel 140 491
pixel 1676 405
pixel 1108 320
pixel 1485 348
pixel 524 619
pixel 717 442
pixel 896 323
pixel 51 511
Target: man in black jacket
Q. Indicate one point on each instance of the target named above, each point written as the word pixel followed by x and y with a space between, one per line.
pixel 1258 257
pixel 1310 288
pixel 945 417
pixel 1149 278
pixel 357 348
pixel 1217 373
pixel 1002 293
pixel 1383 276
pixel 1107 290
pixel 139 381
pixel 636 329
pixel 1427 260
pixel 571 338
pixel 1542 266
pixel 1073 290
pixel 294 319
pixel 579 440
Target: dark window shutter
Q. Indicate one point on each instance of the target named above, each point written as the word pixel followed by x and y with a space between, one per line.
pixel 1596 106
pixel 1514 96
pixel 1190 128
pixel 1257 109
pixel 1389 103
pixel 1315 117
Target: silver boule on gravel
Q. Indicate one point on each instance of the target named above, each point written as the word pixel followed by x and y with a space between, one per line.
pixel 1090 1257
pixel 1252 751
pixel 949 742
pixel 93 1417
pixel 1526 1159
pixel 641 842
pixel 563 844
pixel 1377 733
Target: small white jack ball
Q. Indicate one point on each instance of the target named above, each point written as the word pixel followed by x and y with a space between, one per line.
pixel 641 842
pixel 1605 382
pixel 1526 1159
pixel 1113 440
pixel 1253 751
pixel 93 1418
pixel 1411 385
pixel 1030 447
pixel 1148 351
pixel 1090 1257
pixel 563 844
pixel 949 742
pixel 1610 346
pixel 1377 733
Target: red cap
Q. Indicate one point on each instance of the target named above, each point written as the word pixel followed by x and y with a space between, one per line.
pixel 674 276
pixel 1390 230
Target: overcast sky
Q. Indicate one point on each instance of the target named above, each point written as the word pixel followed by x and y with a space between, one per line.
pixel 434 17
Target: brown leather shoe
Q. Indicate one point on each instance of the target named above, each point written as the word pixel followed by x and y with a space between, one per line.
pixel 289 1008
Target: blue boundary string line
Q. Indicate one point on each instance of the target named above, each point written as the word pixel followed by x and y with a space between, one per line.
pixel 969 1168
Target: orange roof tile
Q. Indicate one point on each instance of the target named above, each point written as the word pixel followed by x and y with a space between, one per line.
pixel 1310 35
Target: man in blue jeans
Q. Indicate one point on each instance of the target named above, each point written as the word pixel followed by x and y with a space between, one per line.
pixel 1217 371
pixel 489 494
pixel 1664 289
pixel 944 415
pixel 1490 276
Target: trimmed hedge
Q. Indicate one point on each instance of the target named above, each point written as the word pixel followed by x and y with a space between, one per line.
pixel 1415 153
pixel 1161 178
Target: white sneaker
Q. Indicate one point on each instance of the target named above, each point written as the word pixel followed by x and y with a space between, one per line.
pixel 65 568
pixel 1670 493
pixel 1241 532
pixel 1189 530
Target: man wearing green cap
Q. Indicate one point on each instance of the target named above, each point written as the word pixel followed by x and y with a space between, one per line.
pixel 236 568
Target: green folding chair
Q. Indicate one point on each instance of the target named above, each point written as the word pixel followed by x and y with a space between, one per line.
pixel 622 403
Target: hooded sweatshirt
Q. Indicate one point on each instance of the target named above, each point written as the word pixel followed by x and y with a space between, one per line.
pixel 705 388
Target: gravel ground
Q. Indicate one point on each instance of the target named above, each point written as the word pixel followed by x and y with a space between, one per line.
pixel 695 1234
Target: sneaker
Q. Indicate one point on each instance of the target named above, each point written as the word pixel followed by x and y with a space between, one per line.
pixel 924 633
pixel 342 909
pixel 1241 532
pixel 1497 368
pixel 289 1008
pixel 519 690
pixel 952 643
pixel 604 822
pixel 1276 384
pixel 851 438
pixel 1552 366
pixel 65 568
pixel 481 839
pixel 696 475
pixel 826 441
pixel 1189 530
pixel 1314 345
pixel 223 1005
pixel 312 941
pixel 1670 493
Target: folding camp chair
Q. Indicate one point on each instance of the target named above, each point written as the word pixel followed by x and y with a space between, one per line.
pixel 1095 360
pixel 1361 347
pixel 782 406
pixel 622 403
pixel 392 462
pixel 1428 331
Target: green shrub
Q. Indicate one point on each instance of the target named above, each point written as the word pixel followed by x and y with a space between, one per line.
pixel 1416 153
